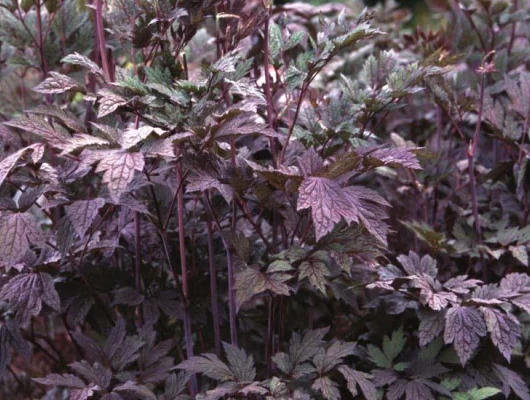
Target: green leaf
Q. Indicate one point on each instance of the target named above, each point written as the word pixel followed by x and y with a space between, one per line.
pixel 394 345
pixel 378 357
pixel 275 41
pixel 483 393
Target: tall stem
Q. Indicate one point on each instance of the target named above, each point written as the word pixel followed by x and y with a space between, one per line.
pixel 471 168
pixel 101 39
pixel 268 93
pixel 184 269
pixel 40 40
pixel 213 283
pixel 230 265
pixel 305 86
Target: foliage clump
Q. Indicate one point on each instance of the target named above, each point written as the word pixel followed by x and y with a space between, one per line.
pixel 232 199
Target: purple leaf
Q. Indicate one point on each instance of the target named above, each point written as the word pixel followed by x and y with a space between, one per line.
pixel 17 232
pixel 431 325
pixel 209 365
pixel 109 102
pixel 504 330
pixel 118 167
pixel 464 326
pixel 513 381
pixel 11 161
pixel 357 378
pixel 26 293
pixel 67 380
pixel 58 83
pixel 329 203
pixel 241 365
pixel 413 265
pixel 327 387
pixel 82 214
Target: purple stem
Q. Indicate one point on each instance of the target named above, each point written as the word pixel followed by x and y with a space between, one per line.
pixel 213 283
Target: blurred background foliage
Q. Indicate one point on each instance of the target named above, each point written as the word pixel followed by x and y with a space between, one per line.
pixel 419 12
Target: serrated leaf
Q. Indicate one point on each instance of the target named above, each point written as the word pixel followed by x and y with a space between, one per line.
pixel 66 380
pixel 413 265
pixel 327 387
pixel 301 350
pixel 395 157
pixel 520 253
pixel 25 294
pixel 378 357
pixel 17 232
pixel 227 63
pixel 96 374
pixel 357 378
pixel 431 293
pixel 81 141
pixel 241 365
pixel 128 296
pixel 58 83
pixel 65 116
pixel 109 102
pixel 483 393
pixel 431 325
pixel 329 203
pixel 11 161
pixel 82 214
pixel 81 394
pixel 251 282
pixel 294 77
pixel 140 391
pixel 275 40
pixel 119 167
pixel 513 381
pixel 394 345
pixel 325 361
pixel 132 137
pixel 209 365
pixel 504 330
pixel 316 271
pixel 279 266
pixel 175 384
pixel 239 123
pixel 464 326
pixel 461 284
pixel 39 127
pixel 79 59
